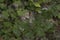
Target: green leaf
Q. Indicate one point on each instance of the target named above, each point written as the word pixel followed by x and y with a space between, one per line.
pixel 21 12
pixel 7 24
pixel 36 4
pixel 3 6
pixel 59 15
pixel 5 14
pixel 16 30
pixel 58 7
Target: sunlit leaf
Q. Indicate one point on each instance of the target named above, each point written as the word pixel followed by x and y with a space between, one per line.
pixel 37 4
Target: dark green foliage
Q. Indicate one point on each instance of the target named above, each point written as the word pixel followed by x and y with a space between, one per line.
pixel 27 19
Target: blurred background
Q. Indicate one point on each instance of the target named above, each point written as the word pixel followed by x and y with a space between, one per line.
pixel 29 19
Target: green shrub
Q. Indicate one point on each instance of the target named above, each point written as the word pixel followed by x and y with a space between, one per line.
pixel 14 25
